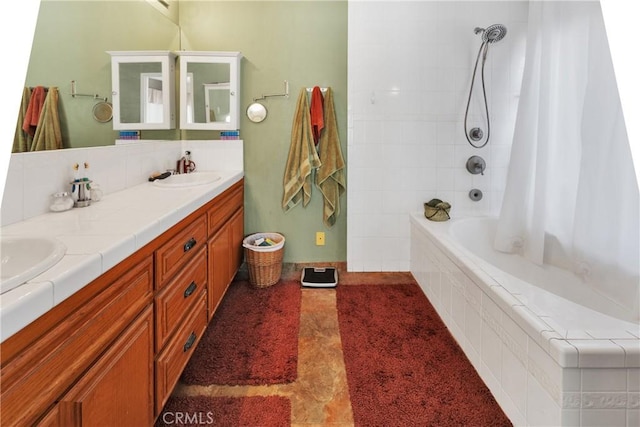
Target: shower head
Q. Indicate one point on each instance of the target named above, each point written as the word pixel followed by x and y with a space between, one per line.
pixel 493 33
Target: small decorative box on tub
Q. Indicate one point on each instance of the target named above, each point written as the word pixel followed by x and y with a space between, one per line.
pixel 437 210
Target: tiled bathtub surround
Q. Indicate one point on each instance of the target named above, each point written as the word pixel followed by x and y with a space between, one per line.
pixel 33 177
pixel 539 375
pixel 410 67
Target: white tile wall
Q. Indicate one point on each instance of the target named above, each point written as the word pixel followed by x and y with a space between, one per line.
pixel 410 66
pixel 33 177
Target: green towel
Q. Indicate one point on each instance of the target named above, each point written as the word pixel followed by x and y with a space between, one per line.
pixel 330 177
pixel 302 158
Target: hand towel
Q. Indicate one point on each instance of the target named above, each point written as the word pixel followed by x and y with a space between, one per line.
pixel 302 159
pixel 317 115
pixel 36 102
pixel 47 135
pixel 330 177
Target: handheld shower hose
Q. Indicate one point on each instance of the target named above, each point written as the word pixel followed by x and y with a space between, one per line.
pixel 490 35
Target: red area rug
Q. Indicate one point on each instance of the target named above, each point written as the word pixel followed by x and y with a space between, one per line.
pixel 403 366
pixel 251 340
pixel 272 411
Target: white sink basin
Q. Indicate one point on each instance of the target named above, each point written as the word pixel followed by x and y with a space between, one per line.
pixel 187 179
pixel 24 258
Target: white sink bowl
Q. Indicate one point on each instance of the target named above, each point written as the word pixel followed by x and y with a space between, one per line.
pixel 24 258
pixel 187 180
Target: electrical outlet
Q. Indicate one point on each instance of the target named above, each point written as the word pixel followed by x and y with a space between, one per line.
pixel 319 238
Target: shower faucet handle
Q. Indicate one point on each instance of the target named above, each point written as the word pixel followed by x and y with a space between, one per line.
pixel 476 165
pixel 476 134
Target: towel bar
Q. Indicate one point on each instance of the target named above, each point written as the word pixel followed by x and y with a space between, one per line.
pixel 74 94
pixel 285 94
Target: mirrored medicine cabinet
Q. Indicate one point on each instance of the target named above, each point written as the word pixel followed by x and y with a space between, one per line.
pixel 209 90
pixel 143 85
pixel 143 89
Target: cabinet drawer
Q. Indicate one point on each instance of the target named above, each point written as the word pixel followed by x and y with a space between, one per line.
pixel 171 256
pixel 172 360
pixel 225 205
pixel 173 303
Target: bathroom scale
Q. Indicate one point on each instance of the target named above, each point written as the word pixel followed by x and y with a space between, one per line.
pixel 323 277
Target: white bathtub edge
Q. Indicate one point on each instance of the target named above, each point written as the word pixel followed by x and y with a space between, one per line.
pixel 537 375
pixel 534 325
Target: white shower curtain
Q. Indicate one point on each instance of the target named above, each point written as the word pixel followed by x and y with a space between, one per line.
pixel 572 197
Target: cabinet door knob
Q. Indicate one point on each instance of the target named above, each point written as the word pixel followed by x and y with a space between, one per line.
pixel 189 343
pixel 190 289
pixel 190 244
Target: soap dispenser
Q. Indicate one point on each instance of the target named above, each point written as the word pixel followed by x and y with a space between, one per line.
pixel 185 164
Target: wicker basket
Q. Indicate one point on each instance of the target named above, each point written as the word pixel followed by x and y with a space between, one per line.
pixel 437 210
pixel 264 262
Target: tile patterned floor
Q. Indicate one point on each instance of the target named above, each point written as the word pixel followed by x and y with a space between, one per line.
pixel 319 396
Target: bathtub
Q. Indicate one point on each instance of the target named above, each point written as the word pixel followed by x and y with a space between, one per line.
pixel 551 350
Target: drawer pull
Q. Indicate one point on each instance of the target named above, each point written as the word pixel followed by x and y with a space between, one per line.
pixel 189 343
pixel 190 289
pixel 189 245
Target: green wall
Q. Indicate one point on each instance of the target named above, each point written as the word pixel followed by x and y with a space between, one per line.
pixel 71 41
pixel 304 42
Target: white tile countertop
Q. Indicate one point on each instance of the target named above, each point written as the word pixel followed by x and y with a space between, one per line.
pixel 97 238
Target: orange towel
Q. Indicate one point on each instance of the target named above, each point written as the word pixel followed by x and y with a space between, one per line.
pixel 317 115
pixel 33 110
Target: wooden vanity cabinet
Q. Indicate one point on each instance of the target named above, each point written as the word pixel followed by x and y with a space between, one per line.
pixel 172 255
pixel 118 389
pixel 174 357
pixel 237 236
pixel 225 257
pixel 176 299
pixel 180 303
pixel 69 340
pixel 226 231
pixel 112 353
pixel 190 282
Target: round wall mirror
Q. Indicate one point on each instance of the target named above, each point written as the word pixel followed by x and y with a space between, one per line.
pixel 102 111
pixel 256 112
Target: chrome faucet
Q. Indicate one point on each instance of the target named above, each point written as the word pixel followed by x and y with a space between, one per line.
pixel 185 164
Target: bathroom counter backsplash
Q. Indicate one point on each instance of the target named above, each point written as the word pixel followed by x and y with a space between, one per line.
pixel 33 177
pixel 100 236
